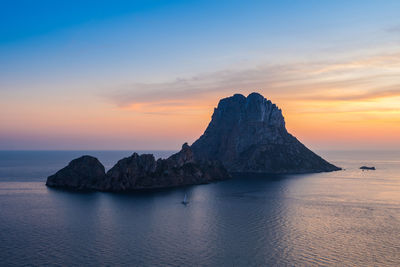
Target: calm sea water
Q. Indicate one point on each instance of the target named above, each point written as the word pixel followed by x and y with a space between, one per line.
pixel 345 218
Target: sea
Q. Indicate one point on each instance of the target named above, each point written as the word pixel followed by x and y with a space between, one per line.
pixel 344 218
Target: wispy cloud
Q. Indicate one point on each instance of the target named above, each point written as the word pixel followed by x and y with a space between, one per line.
pixel 392 91
pixel 196 86
pixel 356 79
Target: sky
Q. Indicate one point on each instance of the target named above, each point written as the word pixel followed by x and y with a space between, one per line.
pixel 146 75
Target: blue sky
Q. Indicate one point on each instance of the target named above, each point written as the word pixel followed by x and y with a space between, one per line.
pixel 102 51
pixel 159 39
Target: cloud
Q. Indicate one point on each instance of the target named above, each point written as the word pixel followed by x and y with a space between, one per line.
pixel 354 79
pixel 196 86
pixel 358 96
pixel 348 110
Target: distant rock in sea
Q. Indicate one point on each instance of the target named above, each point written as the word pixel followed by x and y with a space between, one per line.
pixel 138 172
pixel 245 135
pixel 248 135
pixel 367 168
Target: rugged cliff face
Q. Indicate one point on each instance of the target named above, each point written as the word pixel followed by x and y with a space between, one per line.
pixel 245 135
pixel 138 172
pixel 144 172
pixel 249 135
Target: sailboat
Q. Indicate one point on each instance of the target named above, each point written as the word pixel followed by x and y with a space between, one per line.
pixel 185 201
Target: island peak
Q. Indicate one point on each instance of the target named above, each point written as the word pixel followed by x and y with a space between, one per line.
pixel 245 135
pixel 248 134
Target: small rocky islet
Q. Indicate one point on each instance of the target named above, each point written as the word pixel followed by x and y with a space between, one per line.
pixel 245 135
pixel 367 168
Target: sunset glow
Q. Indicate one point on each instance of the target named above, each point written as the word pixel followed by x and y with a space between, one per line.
pixel 97 85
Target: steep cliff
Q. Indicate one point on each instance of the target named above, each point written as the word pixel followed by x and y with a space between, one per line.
pixel 138 172
pixel 248 134
pixel 245 135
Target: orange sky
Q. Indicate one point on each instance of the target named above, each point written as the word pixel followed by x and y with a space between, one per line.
pixel 336 91
pixel 342 115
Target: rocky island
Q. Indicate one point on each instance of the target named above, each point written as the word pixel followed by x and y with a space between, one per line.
pixel 245 135
pixel 367 168
pixel 138 172
pixel 248 135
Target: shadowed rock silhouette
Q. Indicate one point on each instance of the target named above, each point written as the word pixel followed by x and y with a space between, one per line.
pixel 245 135
pixel 249 135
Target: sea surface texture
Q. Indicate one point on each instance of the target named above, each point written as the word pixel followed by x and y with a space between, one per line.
pixel 345 218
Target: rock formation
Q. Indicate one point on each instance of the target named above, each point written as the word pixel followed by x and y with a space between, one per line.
pixel 367 168
pixel 245 135
pixel 144 172
pixel 80 174
pixel 138 172
pixel 248 135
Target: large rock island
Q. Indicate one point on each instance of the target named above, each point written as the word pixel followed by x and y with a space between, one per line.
pixel 245 135
pixel 248 135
